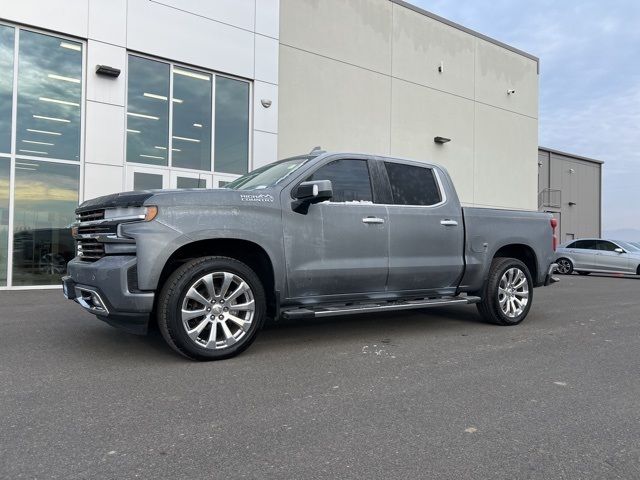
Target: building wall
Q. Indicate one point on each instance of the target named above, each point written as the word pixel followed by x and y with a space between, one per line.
pixel 575 185
pixel 363 76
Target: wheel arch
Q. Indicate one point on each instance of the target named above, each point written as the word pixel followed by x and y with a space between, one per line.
pixel 521 252
pixel 246 251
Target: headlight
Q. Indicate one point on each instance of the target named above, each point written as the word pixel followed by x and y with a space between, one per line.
pixel 131 213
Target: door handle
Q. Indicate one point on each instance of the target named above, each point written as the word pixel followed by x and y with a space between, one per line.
pixel 372 220
pixel 448 223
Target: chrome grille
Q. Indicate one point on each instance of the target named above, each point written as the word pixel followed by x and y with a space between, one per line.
pixel 90 215
pixel 90 250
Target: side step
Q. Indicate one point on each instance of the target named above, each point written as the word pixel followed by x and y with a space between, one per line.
pixel 299 313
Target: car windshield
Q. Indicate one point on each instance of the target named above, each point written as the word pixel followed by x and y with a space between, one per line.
pixel 269 175
pixel 629 247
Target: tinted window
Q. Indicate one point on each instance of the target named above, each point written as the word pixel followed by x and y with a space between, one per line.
pixel 572 245
pixel 6 87
pixel 411 185
pixel 232 126
pixel 585 244
pixel 349 178
pixel 606 246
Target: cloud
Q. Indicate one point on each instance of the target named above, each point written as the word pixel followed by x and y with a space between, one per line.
pixel 589 81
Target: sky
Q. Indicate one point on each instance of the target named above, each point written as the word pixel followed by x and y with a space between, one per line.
pixel 589 81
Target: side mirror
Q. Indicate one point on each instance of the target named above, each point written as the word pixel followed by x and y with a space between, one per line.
pixel 619 250
pixel 314 191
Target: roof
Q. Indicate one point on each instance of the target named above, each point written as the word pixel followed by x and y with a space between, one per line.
pixel 570 155
pixel 467 30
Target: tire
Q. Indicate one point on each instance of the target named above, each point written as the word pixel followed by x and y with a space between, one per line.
pixel 495 306
pixel 638 270
pixel 584 273
pixel 565 266
pixel 218 331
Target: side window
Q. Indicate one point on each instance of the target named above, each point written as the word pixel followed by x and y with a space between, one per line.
pixel 572 245
pixel 412 185
pixel 606 246
pixel 585 244
pixel 349 178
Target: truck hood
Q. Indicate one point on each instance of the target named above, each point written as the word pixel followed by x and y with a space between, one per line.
pixel 179 197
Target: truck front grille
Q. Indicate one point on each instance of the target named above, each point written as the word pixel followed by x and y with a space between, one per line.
pixel 90 250
pixel 90 215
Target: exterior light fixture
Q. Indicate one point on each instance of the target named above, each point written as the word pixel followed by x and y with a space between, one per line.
pixel 441 67
pixel 107 71
pixel 441 140
pixel 511 91
pixel 266 103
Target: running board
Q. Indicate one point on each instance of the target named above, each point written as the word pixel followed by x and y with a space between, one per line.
pixel 300 313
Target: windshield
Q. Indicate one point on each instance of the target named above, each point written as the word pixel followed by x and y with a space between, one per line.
pixel 269 175
pixel 629 247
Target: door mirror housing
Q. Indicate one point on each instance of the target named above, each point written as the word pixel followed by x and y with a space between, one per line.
pixel 619 250
pixel 314 191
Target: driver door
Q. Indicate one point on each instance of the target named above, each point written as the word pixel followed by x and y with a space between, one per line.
pixel 338 246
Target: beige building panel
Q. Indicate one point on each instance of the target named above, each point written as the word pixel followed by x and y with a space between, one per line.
pixel 332 104
pixel 499 71
pixel 354 31
pixel 422 44
pixel 418 115
pixel 506 153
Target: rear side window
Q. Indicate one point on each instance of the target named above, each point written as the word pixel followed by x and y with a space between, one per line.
pixel 412 185
pixel 349 179
pixel 585 244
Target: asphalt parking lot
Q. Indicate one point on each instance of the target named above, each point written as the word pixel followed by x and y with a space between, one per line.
pixel 433 394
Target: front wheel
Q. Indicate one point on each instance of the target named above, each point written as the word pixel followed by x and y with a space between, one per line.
pixel 508 293
pixel 211 308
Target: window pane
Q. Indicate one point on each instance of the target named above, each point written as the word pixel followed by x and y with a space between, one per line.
pixel 232 126
pixel 191 120
pixel 49 96
pixel 349 178
pixel 5 166
pixel 606 246
pixel 6 86
pixel 146 181
pixel 411 185
pixel 189 182
pixel 147 111
pixel 46 195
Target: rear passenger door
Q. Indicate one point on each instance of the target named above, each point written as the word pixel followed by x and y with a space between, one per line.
pixel 426 231
pixel 583 254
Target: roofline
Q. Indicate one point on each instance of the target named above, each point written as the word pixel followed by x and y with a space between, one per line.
pixel 571 155
pixel 462 28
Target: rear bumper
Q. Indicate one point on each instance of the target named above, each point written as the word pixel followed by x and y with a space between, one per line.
pixel 102 288
pixel 550 279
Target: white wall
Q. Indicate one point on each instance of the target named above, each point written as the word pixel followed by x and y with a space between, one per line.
pixel 363 76
pixel 236 37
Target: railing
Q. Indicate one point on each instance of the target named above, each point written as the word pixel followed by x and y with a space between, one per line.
pixel 550 198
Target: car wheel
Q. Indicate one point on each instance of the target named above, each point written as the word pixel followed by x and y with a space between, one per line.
pixel 211 308
pixel 565 267
pixel 638 270
pixel 584 273
pixel 508 292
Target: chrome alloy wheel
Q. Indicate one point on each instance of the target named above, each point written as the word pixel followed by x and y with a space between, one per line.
pixel 513 292
pixel 564 267
pixel 217 310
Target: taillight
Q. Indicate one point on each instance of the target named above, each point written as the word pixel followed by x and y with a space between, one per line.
pixel 554 225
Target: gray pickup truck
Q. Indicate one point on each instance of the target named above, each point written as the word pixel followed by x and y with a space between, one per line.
pixel 322 234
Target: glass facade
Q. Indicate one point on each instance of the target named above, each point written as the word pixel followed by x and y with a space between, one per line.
pixel 7 38
pixel 43 149
pixel 49 97
pixel 232 126
pixel 178 133
pixel 46 195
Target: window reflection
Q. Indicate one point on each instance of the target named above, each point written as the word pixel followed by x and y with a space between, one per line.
pixel 7 36
pixel 49 96
pixel 189 182
pixel 147 111
pixel 46 195
pixel 191 120
pixel 5 165
pixel 232 126
pixel 147 181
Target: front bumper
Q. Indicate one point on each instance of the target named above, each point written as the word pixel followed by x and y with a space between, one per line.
pixel 102 288
pixel 549 279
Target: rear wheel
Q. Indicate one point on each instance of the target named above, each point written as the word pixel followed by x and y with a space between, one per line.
pixel 565 267
pixel 211 308
pixel 508 293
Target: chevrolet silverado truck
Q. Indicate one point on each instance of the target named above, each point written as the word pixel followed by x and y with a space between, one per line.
pixel 323 234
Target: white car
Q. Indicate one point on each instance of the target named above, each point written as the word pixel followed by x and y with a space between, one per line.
pixel 599 256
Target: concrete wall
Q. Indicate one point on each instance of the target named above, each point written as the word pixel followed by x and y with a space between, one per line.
pixel 362 75
pixel 236 37
pixel 579 183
